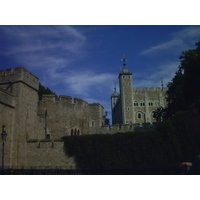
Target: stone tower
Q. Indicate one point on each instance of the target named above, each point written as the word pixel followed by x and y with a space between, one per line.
pixel 18 107
pixel 125 82
pixel 135 105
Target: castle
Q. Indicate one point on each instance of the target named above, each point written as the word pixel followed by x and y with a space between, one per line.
pixel 135 105
pixel 35 128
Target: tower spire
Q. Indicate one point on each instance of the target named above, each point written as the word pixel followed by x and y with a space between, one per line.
pixel 115 86
pixel 124 60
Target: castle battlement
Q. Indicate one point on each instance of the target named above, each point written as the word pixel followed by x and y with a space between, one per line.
pixel 63 99
pixel 150 89
pixel 19 74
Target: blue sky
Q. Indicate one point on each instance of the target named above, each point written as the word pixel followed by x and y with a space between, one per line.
pixel 84 61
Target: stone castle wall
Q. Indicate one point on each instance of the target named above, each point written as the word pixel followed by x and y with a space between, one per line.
pixel 35 127
pixel 48 154
pixel 146 101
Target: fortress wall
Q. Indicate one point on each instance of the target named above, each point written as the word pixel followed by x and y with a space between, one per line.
pixel 22 93
pixel 63 115
pixel 6 118
pixel 96 119
pixel 17 74
pixel 150 89
pixel 6 98
pixel 48 154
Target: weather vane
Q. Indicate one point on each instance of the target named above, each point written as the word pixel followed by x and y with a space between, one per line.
pixel 124 60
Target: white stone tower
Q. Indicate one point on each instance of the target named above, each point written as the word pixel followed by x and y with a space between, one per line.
pixel 126 91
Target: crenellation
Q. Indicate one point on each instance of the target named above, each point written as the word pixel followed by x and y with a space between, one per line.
pixel 145 89
pixel 65 99
pixel 48 98
pixel 19 74
pixel 149 89
pixel 79 101
pixel 158 89
pixel 164 89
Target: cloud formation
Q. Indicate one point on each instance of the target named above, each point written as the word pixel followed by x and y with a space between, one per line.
pixel 179 40
pixel 165 72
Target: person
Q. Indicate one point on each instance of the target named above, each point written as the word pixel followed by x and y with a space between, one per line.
pixel 185 168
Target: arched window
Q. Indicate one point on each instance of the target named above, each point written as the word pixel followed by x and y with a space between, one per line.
pixel 78 132
pixel 139 116
pixel 75 132
pixel 142 104
pixel 150 104
pixel 135 103
pixel 72 132
pixel 92 123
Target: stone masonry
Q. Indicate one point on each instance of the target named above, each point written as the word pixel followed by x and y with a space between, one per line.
pixel 135 105
pixel 35 128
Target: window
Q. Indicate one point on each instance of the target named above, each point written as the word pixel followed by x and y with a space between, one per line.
pixel 139 116
pixel 72 132
pixel 75 132
pixel 136 103
pixel 48 136
pixel 128 108
pixel 142 104
pixel 150 104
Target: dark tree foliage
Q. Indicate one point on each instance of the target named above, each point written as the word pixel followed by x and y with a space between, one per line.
pixel 44 90
pixel 159 114
pixel 168 146
pixel 184 88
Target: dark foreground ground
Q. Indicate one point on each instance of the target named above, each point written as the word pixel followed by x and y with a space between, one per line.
pixel 141 171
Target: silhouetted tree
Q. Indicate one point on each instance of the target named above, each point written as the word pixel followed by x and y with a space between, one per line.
pixel 44 90
pixel 184 88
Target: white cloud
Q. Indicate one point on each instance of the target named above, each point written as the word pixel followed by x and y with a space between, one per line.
pixel 86 83
pixel 153 79
pixel 163 46
pixel 33 45
pixel 182 40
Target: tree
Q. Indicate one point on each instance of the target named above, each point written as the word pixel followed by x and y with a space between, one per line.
pixel 190 65
pixel 159 114
pixel 184 88
pixel 42 90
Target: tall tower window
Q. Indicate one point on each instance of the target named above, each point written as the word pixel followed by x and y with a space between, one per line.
pixel 139 116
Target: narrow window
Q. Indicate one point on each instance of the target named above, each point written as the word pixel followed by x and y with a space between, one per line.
pixel 47 136
pixel 72 132
pixel 139 116
pixel 150 104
